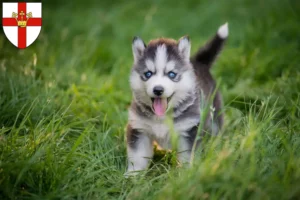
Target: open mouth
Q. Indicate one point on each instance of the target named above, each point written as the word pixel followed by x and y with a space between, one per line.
pixel 160 105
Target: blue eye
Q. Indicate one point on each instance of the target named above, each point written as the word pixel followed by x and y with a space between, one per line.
pixel 172 75
pixel 148 74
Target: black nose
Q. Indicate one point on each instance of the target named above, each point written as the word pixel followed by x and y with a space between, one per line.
pixel 158 90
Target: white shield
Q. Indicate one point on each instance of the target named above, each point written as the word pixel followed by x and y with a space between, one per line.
pixel 22 22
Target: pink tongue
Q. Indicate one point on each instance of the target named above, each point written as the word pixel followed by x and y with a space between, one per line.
pixel 160 106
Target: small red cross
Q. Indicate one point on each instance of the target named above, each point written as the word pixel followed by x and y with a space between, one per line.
pixel 22 30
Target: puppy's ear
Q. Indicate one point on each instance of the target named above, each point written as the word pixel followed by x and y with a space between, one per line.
pixel 184 47
pixel 138 47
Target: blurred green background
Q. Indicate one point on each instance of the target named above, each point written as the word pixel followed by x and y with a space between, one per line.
pixel 63 102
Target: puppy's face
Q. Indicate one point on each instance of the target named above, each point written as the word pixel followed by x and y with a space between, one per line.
pixel 162 75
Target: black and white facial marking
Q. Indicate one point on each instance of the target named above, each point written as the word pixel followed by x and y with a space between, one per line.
pixel 162 74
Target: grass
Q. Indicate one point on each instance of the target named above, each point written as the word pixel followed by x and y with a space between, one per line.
pixel 63 103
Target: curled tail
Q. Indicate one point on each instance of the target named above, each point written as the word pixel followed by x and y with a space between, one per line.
pixel 207 54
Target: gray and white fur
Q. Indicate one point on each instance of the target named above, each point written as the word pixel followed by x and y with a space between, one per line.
pixel 154 96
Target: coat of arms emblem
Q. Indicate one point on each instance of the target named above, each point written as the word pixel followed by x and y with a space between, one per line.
pixel 22 22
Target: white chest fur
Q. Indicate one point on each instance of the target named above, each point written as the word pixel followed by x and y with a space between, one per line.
pixel 158 130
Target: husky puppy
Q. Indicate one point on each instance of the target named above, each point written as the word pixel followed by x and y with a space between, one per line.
pixel 164 78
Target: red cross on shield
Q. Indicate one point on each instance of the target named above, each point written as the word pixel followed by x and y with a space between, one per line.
pixel 22 22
